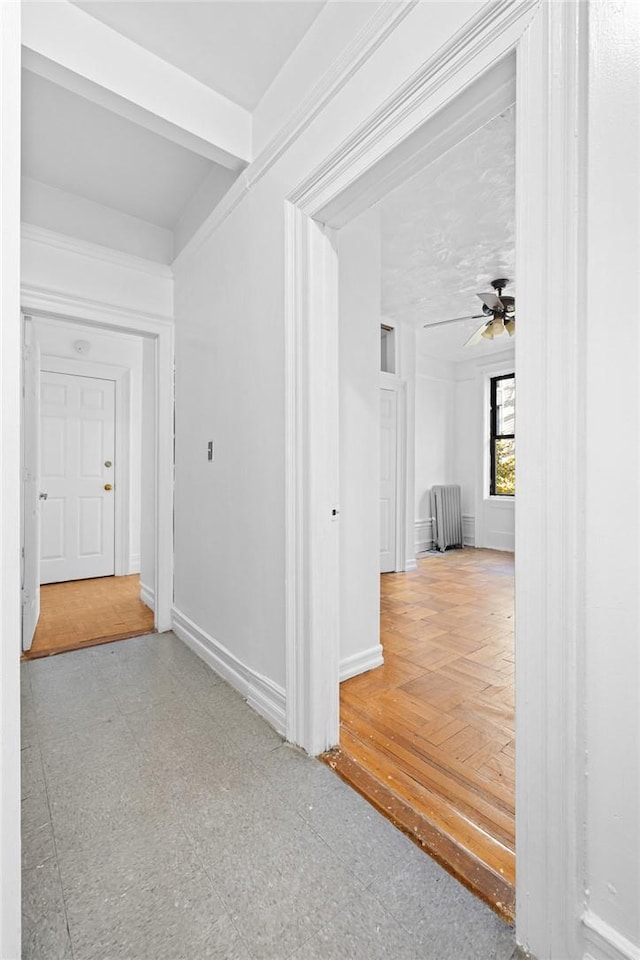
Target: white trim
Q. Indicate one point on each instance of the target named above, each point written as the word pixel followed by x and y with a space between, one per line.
pixel 364 45
pixel 134 563
pixel 122 453
pixel 361 662
pixel 10 494
pixel 94 251
pixel 147 596
pixel 265 696
pixel 550 41
pixel 468 530
pixel 51 303
pixel 48 300
pixel 390 381
pixel 311 485
pixel 424 535
pixel 603 942
pixel 551 267
pixel 312 599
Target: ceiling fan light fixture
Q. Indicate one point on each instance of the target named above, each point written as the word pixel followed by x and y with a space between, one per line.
pixel 488 333
pixel 510 326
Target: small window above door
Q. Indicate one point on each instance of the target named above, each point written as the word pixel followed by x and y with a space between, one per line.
pixel 387 349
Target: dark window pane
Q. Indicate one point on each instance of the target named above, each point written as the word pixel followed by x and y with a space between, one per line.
pixel 505 467
pixel 506 406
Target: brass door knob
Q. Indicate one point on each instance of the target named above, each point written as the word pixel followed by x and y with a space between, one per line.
pixel 108 486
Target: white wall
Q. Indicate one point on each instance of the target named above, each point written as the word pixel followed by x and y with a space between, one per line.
pixel 229 514
pixel 489 521
pixel 359 391
pixel 452 446
pixel 45 206
pixel 435 439
pixel 610 656
pixel 56 339
pixel 229 307
pixel 69 267
pixel 10 481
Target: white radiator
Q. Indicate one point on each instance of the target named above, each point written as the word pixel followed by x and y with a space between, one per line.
pixel 446 507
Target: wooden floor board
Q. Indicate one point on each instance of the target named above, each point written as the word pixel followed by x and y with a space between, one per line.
pixel 430 735
pixel 82 613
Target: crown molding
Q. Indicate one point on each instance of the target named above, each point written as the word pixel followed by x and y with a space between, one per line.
pixel 94 251
pixel 38 300
pixel 356 53
pixel 492 21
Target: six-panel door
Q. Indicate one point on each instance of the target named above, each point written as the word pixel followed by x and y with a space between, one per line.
pixel 77 453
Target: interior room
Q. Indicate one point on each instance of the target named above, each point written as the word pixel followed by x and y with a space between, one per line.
pixel 427 730
pixel 269 253
pixel 89 532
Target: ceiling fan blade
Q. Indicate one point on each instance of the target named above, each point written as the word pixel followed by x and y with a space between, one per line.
pixel 439 323
pixel 492 301
pixel 477 336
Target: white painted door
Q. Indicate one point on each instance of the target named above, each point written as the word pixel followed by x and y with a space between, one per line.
pixel 77 449
pixel 388 478
pixel 31 486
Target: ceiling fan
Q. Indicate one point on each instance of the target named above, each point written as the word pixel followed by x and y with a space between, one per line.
pixel 498 314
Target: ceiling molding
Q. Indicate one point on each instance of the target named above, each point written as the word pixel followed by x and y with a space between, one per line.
pixel 362 47
pixel 94 251
pixel 493 22
pixel 84 55
pixel 47 301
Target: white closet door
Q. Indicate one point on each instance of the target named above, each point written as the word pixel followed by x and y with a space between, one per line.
pixel 388 481
pixel 77 449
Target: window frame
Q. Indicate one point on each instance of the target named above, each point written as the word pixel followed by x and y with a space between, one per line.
pixel 493 435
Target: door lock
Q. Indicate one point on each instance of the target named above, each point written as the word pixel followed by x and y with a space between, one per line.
pixel 108 486
pixel 108 463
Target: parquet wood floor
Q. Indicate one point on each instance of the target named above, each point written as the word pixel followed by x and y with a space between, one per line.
pixel 83 613
pixel 429 736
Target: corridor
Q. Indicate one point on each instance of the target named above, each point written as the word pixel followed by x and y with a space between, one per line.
pixel 163 819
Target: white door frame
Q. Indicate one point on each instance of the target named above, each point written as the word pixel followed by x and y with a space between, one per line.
pixel 551 45
pixel 122 451
pixel 389 381
pixel 49 304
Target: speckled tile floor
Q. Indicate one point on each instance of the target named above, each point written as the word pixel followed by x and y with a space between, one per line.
pixel 164 820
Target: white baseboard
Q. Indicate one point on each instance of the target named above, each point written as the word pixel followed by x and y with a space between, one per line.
pixel 265 696
pixel 411 564
pixel 497 540
pixel 603 942
pixel 361 662
pixel 468 530
pixel 134 563
pixel 147 595
pixel 424 535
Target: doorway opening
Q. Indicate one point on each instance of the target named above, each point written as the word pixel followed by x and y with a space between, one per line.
pixel 426 664
pixel 91 433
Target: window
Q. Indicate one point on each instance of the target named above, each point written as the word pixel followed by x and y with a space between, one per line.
pixel 503 436
pixel 387 349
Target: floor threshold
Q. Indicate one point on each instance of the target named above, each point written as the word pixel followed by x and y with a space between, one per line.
pixel 458 859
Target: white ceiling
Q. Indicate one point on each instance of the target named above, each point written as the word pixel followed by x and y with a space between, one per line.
pixel 75 145
pixel 446 234
pixel 236 47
